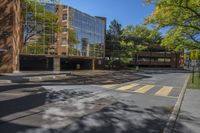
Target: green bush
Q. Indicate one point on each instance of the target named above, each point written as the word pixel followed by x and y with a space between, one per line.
pixel 118 63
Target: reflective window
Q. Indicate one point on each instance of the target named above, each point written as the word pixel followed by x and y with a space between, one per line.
pixel 90 34
pixel 39 35
pixel 65 29
pixel 64 16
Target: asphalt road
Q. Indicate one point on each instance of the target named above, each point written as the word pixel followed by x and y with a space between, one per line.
pixel 121 102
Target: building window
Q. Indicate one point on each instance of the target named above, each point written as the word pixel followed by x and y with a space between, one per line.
pixel 64 29
pixel 64 41
pixel 64 16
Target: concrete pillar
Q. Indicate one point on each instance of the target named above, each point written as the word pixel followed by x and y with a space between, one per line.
pixel 47 63
pixel 56 63
pixel 93 64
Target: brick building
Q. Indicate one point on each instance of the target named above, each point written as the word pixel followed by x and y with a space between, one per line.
pixel 158 57
pixel 10 35
pixel 27 44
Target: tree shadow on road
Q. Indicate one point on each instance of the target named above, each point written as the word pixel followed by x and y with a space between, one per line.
pixel 186 119
pixel 111 78
pixel 117 118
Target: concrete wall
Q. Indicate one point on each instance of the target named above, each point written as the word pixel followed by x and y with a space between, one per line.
pixel 10 34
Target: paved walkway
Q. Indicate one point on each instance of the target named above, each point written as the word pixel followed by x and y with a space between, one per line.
pixel 189 117
pixel 118 102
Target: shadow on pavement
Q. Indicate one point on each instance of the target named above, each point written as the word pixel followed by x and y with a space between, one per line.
pixel 114 78
pixel 9 107
pixel 117 118
pixel 21 104
pixel 185 118
pixel 8 127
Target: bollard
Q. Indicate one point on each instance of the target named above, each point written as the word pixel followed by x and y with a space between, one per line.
pixel 137 68
pixel 193 74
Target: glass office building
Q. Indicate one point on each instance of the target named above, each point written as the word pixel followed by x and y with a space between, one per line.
pixel 89 31
pixel 39 26
pixel 42 35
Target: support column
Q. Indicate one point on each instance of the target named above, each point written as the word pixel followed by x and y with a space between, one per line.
pixel 93 64
pixel 17 35
pixel 56 64
pixel 47 63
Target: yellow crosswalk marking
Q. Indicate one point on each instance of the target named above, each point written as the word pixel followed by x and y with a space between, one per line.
pixel 127 87
pixel 144 89
pixel 108 86
pixel 164 91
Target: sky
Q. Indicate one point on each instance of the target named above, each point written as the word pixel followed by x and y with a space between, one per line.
pixel 126 12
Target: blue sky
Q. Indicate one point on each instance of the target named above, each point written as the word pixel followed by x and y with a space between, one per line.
pixel 127 12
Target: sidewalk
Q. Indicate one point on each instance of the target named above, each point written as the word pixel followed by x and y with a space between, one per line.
pixel 23 77
pixel 189 117
pixel 39 76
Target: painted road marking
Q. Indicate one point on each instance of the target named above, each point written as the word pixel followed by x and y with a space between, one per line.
pixel 144 89
pixel 164 91
pixel 127 87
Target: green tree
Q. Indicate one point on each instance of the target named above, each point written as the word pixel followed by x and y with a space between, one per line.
pixel 182 17
pixel 138 38
pixel 115 30
pixel 113 39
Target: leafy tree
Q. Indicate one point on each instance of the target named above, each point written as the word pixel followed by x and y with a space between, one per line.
pixel 122 44
pixel 113 39
pixel 182 17
pixel 115 30
pixel 138 38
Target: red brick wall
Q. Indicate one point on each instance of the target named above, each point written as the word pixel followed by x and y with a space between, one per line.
pixel 10 34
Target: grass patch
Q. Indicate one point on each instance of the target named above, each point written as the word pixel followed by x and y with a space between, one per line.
pixel 196 84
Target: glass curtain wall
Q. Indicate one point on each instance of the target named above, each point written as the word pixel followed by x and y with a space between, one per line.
pixel 90 32
pixel 39 26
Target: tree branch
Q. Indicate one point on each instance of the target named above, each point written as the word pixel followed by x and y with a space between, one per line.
pixel 193 39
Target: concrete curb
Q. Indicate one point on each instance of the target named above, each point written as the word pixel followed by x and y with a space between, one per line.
pixel 35 79
pixel 5 81
pixel 172 120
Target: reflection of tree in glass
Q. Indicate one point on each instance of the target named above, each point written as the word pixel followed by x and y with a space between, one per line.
pixel 40 23
pixel 72 40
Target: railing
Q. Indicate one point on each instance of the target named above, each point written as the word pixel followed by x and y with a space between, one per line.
pixel 154 63
pixel 155 54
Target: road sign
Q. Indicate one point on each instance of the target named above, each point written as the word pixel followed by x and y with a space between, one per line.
pixel 194 55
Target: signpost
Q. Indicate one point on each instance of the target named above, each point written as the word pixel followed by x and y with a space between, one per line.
pixel 193 64
pixel 194 56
